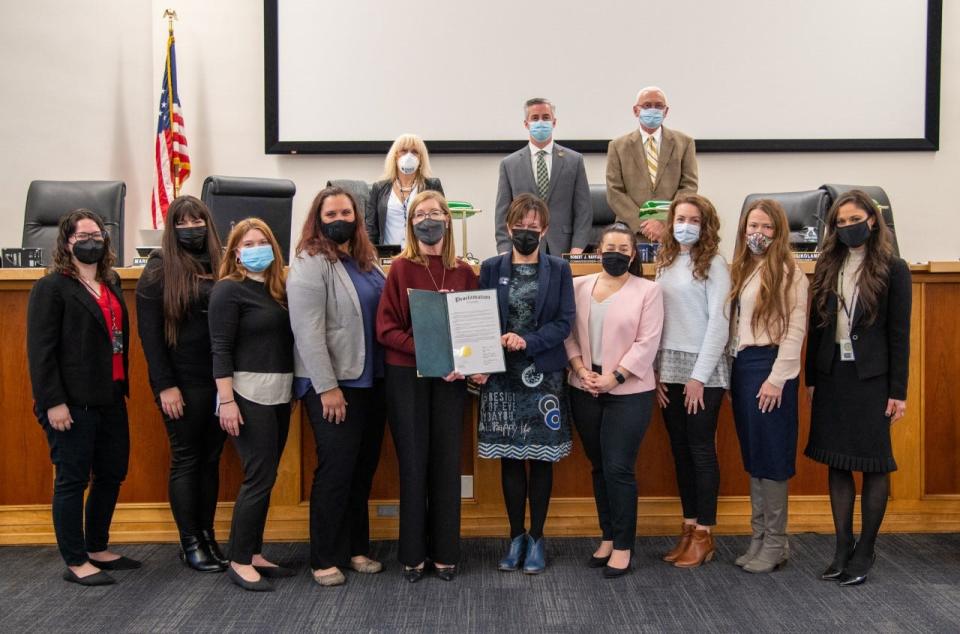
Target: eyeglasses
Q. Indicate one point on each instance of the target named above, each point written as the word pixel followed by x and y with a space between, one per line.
pixel 432 215
pixel 93 235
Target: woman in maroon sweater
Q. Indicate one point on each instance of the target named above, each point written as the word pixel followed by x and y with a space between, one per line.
pixel 425 414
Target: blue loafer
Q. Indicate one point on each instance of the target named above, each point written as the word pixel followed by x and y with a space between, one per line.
pixel 535 560
pixel 511 561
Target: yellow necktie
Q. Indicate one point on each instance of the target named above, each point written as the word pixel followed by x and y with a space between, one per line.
pixel 651 151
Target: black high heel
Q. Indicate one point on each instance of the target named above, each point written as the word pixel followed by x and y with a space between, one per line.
pixel 413 575
pixel 847 579
pixel 446 573
pixel 835 569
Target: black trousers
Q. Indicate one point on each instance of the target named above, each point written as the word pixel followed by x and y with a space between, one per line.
pixel 259 445
pixel 196 442
pixel 426 420
pixel 97 443
pixel 693 439
pixel 347 457
pixel 611 427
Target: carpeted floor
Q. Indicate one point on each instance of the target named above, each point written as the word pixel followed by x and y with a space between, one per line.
pixel 914 587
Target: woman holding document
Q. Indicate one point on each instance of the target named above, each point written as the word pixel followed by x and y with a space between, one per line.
pixel 425 414
pixel 524 416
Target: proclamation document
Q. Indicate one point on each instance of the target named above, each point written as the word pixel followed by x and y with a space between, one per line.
pixel 475 332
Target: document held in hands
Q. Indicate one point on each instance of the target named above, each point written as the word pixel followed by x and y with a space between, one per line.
pixel 456 331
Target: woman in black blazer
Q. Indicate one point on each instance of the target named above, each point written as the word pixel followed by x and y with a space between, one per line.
pixel 406 173
pixel 524 415
pixel 77 341
pixel 858 355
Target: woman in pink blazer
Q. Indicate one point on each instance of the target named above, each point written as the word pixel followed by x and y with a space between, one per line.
pixel 611 351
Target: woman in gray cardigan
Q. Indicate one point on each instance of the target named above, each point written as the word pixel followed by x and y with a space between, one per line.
pixel 333 289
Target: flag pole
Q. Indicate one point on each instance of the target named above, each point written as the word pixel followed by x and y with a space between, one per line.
pixel 171 15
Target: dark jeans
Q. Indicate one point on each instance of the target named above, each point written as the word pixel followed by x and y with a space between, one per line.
pixel 693 440
pixel 259 445
pixel 426 420
pixel 611 427
pixel 347 457
pixel 196 442
pixel 97 443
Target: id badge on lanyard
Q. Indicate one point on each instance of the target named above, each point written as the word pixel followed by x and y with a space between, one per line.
pixel 846 345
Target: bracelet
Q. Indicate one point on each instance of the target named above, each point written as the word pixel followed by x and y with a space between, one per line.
pixel 225 402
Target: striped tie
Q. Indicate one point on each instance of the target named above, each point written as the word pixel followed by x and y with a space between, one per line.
pixel 543 179
pixel 651 147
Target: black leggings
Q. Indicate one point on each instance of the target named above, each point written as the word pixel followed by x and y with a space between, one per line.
pixel 693 441
pixel 196 442
pixel 873 506
pixel 518 487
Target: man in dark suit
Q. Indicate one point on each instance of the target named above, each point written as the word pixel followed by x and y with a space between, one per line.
pixel 650 163
pixel 552 172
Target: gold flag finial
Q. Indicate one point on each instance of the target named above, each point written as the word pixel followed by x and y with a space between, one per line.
pixel 170 15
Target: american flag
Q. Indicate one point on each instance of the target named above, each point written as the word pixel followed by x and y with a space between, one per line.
pixel 172 160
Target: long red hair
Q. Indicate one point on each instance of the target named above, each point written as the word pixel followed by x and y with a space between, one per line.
pixel 314 241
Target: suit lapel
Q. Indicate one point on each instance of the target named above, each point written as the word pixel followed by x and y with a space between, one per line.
pixel 82 295
pixel 543 282
pixel 503 288
pixel 557 162
pixel 527 169
pixel 667 145
pixel 640 156
pixel 345 280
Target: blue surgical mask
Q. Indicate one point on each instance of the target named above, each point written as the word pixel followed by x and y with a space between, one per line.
pixel 256 259
pixel 686 233
pixel 541 130
pixel 651 117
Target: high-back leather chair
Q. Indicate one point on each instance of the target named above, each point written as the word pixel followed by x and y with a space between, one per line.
pixel 877 193
pixel 804 209
pixel 359 189
pixel 603 215
pixel 233 198
pixel 48 201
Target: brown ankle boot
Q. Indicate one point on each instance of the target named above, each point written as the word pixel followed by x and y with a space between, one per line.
pixel 699 551
pixel 685 535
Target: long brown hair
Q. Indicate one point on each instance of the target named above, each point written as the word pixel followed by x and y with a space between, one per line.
pixel 314 241
pixel 231 269
pixel 776 275
pixel 62 260
pixel 411 250
pixel 875 269
pixel 706 247
pixel 635 267
pixel 181 270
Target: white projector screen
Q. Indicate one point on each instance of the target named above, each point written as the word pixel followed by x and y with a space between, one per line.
pixel 740 75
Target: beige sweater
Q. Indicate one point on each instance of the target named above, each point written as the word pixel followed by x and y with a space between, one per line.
pixel 787 365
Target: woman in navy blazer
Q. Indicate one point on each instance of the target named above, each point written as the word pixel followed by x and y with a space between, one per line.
pixel 523 412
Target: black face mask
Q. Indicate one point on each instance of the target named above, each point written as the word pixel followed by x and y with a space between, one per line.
pixel 339 231
pixel 854 235
pixel 525 241
pixel 89 251
pixel 614 263
pixel 429 231
pixel 192 239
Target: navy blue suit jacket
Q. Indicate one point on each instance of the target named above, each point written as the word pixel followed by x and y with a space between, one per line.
pixel 554 312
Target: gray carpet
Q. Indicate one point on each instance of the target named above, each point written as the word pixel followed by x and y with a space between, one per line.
pixel 914 587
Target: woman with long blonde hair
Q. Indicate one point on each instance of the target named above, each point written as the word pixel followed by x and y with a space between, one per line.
pixel 253 367
pixel 768 298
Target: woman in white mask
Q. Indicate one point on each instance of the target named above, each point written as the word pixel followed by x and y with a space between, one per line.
pixel 692 369
pixel 406 173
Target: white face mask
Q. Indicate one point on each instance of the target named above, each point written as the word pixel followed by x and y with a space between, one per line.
pixel 408 163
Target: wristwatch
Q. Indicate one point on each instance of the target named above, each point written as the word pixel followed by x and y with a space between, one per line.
pixel 619 377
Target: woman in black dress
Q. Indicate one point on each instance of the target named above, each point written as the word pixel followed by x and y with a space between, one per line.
pixel 858 355
pixel 172 298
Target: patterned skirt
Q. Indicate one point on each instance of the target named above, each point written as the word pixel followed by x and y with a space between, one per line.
pixel 524 413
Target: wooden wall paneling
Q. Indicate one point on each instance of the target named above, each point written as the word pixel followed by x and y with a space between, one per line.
pixel 26 475
pixel 941 372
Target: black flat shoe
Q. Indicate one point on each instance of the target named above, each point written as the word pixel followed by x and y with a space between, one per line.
pixel 123 563
pixel 254 586
pixel 413 575
pixel 446 573
pixel 275 572
pixel 598 562
pixel 612 573
pixel 96 579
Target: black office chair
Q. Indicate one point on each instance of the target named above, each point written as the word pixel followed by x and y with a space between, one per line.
pixel 805 212
pixel 48 201
pixel 603 216
pixel 878 195
pixel 233 198
pixel 359 189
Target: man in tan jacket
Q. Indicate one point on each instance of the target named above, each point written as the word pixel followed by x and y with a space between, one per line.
pixel 650 163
